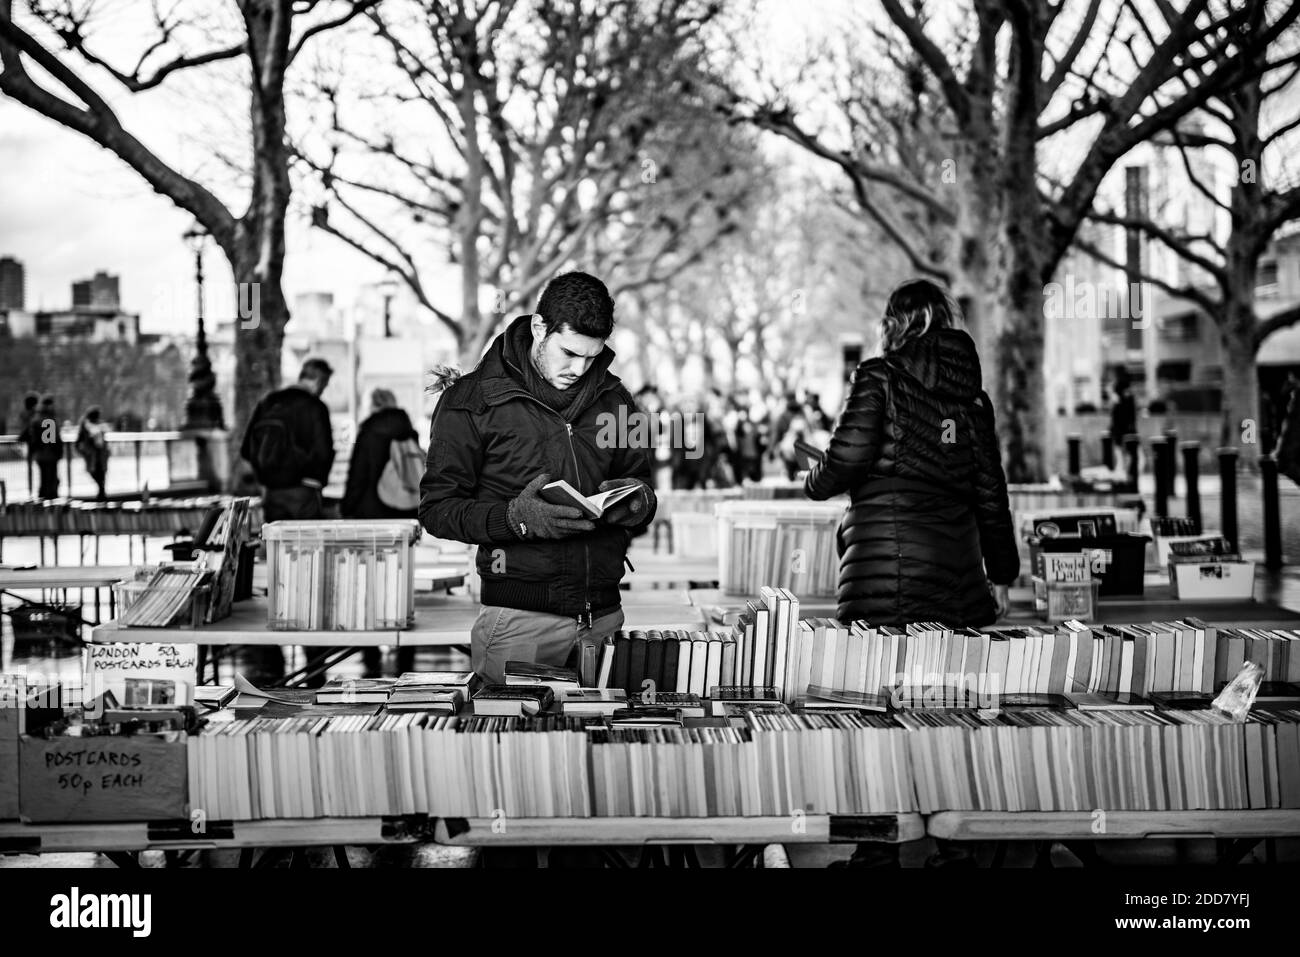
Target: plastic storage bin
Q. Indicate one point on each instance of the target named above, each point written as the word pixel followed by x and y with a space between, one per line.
pixel 1213 581
pixel 1061 601
pixel 1118 562
pixel 695 535
pixel 341 575
pixel 778 543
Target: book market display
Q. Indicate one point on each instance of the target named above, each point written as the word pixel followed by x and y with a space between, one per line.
pixel 793 716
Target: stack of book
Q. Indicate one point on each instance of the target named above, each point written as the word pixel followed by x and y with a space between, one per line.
pixel 512 701
pixel 755 651
pixel 443 691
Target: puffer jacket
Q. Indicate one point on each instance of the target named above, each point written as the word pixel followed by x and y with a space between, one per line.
pixel 929 524
pixel 490 437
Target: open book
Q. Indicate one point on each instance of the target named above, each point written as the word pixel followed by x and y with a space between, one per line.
pixel 592 506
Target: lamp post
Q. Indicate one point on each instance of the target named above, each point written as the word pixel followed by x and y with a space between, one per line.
pixel 203 405
pixel 388 289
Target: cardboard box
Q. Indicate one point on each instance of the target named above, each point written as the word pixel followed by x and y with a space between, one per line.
pixel 1213 581
pixel 126 778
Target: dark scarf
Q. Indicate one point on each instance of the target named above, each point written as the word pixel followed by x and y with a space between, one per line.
pixel 568 402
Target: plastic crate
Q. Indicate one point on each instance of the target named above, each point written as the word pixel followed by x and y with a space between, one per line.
pixel 782 544
pixel 341 575
pixel 144 605
pixel 1213 581
pixel 46 631
pixel 1117 562
pixel 695 535
pixel 1062 601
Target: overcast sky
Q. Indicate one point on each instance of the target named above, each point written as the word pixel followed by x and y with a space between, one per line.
pixel 69 208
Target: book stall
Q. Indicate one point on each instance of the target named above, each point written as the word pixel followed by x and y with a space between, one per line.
pixel 779 728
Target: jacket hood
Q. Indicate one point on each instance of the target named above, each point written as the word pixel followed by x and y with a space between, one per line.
pixel 943 361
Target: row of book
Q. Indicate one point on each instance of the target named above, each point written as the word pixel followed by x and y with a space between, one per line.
pixel 754 651
pixel 775 764
pixel 1187 655
pixel 1044 760
pixel 787 545
pixel 547 766
pixel 69 517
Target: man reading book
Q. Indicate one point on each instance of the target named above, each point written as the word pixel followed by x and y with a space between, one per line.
pixel 537 410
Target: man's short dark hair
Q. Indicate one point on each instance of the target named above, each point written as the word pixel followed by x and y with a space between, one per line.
pixel 578 301
pixel 31 400
pixel 315 369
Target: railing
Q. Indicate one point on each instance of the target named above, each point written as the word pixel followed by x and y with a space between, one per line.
pixel 157 460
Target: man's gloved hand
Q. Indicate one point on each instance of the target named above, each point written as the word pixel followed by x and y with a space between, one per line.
pixel 631 510
pixel 532 517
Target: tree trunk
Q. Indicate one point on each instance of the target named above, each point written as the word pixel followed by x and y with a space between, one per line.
pixel 259 335
pixel 1241 423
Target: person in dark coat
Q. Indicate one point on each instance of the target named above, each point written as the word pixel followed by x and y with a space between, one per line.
pixel 929 524
pixel 45 443
pixel 370 453
pixel 928 533
pixel 92 446
pixel 1123 410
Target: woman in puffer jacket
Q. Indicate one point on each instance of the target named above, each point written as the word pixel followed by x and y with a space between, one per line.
pixel 928 534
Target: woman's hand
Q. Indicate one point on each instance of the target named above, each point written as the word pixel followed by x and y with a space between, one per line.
pixel 1001 598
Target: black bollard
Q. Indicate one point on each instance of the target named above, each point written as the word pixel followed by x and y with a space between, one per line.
pixel 1171 461
pixel 1160 468
pixel 1228 494
pixel 1074 442
pixel 1192 473
pixel 1131 443
pixel 1107 450
pixel 1272 513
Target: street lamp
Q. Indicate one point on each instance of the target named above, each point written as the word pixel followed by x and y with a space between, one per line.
pixel 203 405
pixel 388 289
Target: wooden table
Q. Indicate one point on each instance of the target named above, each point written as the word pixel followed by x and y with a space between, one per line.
pixel 121 842
pixel 79 577
pixel 1236 832
pixel 439 620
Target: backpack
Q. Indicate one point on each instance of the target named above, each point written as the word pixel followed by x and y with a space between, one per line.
pixel 275 456
pixel 399 483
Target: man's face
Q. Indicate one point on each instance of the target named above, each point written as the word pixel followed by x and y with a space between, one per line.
pixel 316 385
pixel 564 355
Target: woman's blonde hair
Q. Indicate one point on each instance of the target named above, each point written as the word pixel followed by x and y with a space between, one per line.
pixel 914 308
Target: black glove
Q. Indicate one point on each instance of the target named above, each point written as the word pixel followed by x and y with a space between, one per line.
pixel 532 517
pixel 631 510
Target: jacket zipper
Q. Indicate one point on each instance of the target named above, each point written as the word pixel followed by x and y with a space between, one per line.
pixel 586 549
pixel 577 474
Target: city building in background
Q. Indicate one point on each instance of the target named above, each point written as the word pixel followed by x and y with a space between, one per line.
pixel 13 293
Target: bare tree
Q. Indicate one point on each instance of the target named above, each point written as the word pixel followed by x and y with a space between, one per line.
pixel 1255 210
pixel 1024 87
pixel 265 37
pixel 521 138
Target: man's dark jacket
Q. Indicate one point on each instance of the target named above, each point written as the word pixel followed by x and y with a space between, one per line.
pixel 491 437
pixel 307 420
pixel 916 450
pixel 370 456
